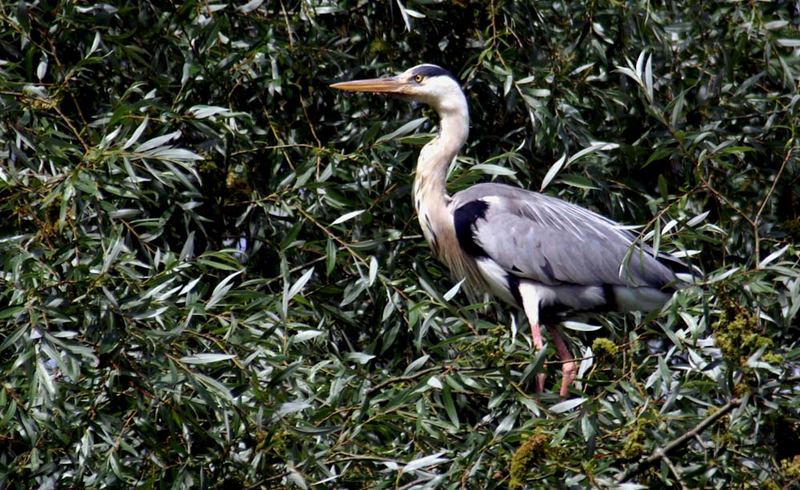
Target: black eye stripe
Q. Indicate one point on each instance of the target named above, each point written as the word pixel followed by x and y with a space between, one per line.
pixel 427 71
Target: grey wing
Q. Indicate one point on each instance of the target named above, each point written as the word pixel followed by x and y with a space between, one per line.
pixel 551 241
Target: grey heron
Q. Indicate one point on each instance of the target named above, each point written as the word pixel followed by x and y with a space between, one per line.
pixel 530 250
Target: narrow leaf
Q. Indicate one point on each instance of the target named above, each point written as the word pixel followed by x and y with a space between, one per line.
pixel 434 382
pixel 697 219
pixel 300 283
pixel 373 270
pixel 493 169
pixel 567 405
pixel 506 424
pixel 648 78
pixel 95 44
pixel 402 130
pixel 677 110
pixel 137 133
pixel 580 327
pixel 453 290
pixel 553 171
pixel 347 216
pixel 221 289
pixel 449 405
pixel 214 385
pixel 187 288
pixel 150 313
pixel 156 142
pixel 774 255
pixel 206 358
pixel 416 364
pixel 424 462
pixel 292 407
pixel 360 357
pixel 330 257
pixel 206 111
pixel 594 147
pixel 640 65
pixel 250 6
pixel 306 335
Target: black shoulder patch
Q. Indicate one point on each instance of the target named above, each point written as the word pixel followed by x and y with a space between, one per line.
pixel 432 71
pixel 464 219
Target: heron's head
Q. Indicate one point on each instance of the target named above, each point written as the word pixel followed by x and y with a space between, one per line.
pixel 429 84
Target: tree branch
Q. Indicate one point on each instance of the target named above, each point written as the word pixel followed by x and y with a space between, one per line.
pixel 661 453
pixel 674 471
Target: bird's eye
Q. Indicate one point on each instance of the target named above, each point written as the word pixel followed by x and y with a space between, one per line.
pixel 418 78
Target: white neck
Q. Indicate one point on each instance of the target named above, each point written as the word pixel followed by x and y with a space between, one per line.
pixel 436 156
pixel 430 189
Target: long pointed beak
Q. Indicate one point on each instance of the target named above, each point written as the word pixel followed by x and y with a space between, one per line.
pixel 390 85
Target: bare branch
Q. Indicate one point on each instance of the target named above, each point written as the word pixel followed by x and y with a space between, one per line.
pixel 661 453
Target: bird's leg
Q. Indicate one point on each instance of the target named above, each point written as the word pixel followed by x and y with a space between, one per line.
pixel 530 303
pixel 536 337
pixel 569 367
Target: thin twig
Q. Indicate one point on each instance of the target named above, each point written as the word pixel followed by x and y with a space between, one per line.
pixel 443 369
pixel 674 471
pixel 774 183
pixel 661 453
pixel 72 128
pixel 757 218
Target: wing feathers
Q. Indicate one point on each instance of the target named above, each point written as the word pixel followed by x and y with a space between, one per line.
pixel 553 242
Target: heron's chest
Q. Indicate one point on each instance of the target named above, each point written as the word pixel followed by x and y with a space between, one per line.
pixel 436 222
pixel 483 274
pixel 438 227
pixel 438 230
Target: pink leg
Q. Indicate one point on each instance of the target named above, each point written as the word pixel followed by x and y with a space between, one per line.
pixel 531 298
pixel 536 337
pixel 569 367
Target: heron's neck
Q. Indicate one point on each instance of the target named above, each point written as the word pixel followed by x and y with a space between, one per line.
pixel 436 156
pixel 430 189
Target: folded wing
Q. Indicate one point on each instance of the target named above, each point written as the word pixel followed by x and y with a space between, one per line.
pixel 553 242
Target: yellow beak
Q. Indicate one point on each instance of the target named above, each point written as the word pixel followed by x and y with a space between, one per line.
pixel 390 85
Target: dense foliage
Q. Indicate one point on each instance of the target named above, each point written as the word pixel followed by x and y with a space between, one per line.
pixel 211 273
